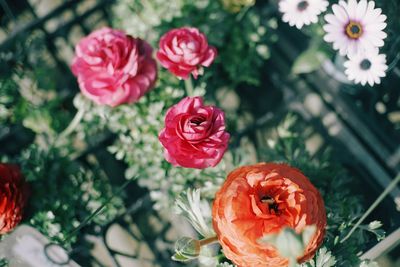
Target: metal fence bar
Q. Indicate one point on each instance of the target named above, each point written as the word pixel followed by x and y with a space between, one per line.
pixel 40 21
pixel 7 10
pixel 383 247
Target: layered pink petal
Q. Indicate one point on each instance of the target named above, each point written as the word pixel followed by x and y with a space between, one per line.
pixel 194 135
pixel 114 68
pixel 184 50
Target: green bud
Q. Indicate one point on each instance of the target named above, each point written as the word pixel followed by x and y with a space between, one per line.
pixel 187 247
pixel 235 6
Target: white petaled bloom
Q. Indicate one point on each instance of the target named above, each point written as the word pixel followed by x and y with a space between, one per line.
pixel 355 27
pixel 302 12
pixel 366 68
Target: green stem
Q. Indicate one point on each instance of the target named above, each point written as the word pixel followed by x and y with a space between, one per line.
pixel 242 13
pixel 88 219
pixel 74 123
pixel 388 189
pixel 189 87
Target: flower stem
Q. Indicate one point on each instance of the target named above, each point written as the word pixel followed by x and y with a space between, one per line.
pixel 74 123
pixel 207 241
pixel 189 87
pixel 389 188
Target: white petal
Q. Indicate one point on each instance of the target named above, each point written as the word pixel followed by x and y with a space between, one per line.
pixel 375 27
pixel 363 82
pixel 343 50
pixel 353 48
pixel 332 28
pixel 378 42
pixel 332 19
pixel 370 80
pixel 372 16
pixel 371 6
pixel 361 9
pixel 332 37
pixel 351 8
pixel 381 18
pixel 340 13
pixel 343 3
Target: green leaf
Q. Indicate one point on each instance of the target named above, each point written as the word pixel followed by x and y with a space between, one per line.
pixel 3 263
pixel 309 61
pixel 325 258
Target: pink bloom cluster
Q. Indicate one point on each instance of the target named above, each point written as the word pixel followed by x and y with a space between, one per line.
pixel 114 68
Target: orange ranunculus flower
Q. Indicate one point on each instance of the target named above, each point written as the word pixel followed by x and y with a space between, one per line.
pixel 262 199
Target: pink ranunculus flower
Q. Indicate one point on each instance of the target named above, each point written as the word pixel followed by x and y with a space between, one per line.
pixel 194 135
pixel 114 68
pixel 184 51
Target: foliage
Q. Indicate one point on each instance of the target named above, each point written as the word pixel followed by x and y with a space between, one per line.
pixel 8 96
pixel 70 190
pixel 323 258
pixel 67 191
pixel 136 128
pixel 242 39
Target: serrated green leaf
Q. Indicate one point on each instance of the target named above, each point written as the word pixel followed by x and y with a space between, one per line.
pixel 325 258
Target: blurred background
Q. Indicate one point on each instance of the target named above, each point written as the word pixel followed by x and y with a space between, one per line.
pixel 360 125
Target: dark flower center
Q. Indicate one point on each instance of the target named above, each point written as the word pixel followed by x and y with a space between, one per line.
pixel 302 5
pixel 272 205
pixel 365 64
pixel 197 120
pixel 354 30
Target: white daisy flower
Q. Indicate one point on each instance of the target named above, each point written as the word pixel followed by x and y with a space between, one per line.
pixel 355 27
pixel 363 68
pixel 301 12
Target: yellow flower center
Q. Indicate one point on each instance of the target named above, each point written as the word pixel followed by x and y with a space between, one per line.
pixel 354 30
